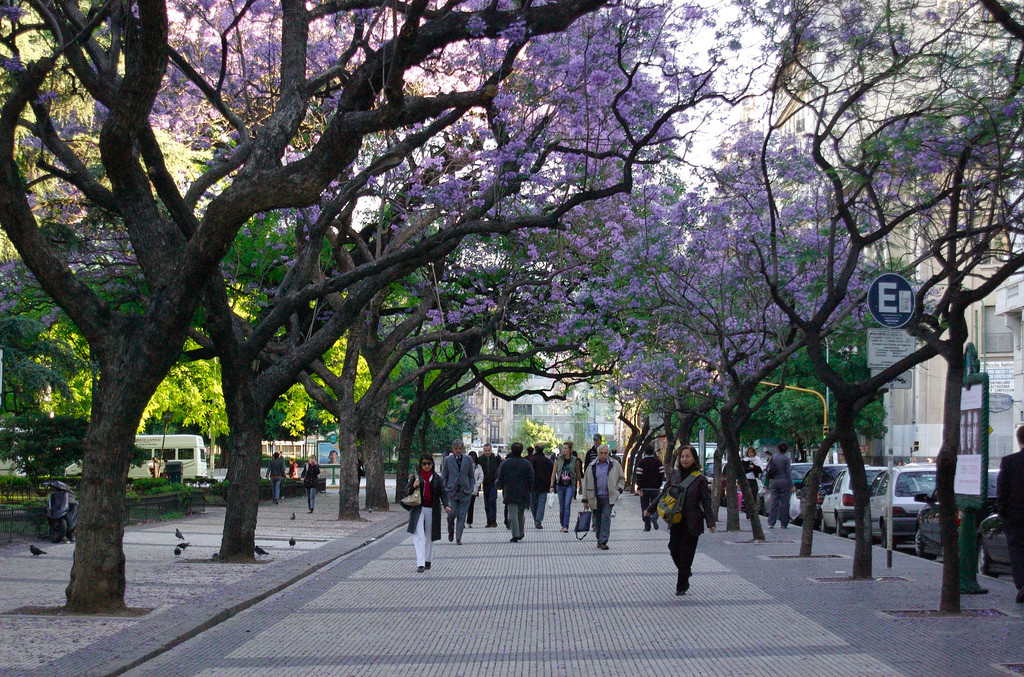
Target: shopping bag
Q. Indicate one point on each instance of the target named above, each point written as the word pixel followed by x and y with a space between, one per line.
pixel 582 524
pixel 552 500
pixel 794 506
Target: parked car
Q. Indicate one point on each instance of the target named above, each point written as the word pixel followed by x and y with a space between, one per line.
pixel 994 553
pixel 909 481
pixel 928 537
pixel 837 503
pixel 829 473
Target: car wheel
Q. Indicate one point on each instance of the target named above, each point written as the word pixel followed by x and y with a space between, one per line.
pixel 841 531
pixel 919 549
pixel 984 561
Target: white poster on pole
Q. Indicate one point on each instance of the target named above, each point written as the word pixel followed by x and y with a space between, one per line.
pixel 968 475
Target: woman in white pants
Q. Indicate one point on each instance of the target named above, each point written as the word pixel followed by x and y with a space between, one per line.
pixel 423 525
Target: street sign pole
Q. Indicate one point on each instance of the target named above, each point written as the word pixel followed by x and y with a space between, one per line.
pixel 974 433
pixel 891 434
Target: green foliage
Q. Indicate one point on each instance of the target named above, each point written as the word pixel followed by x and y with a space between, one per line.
pixel 37 364
pixel 39 445
pixel 14 485
pixel 191 391
pixel 530 432
pixel 150 486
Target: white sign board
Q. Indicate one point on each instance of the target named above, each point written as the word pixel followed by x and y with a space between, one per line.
pixel 968 475
pixel 904 381
pixel 886 347
pixel 1000 376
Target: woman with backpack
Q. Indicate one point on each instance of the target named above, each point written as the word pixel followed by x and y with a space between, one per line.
pixel 693 510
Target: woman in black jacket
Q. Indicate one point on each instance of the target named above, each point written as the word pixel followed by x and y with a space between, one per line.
pixel 424 518
pixel 310 475
pixel 683 535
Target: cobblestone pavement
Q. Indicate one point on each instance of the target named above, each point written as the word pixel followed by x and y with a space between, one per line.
pixel 187 594
pixel 551 605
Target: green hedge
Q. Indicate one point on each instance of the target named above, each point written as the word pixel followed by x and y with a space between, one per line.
pixel 155 486
pixel 14 485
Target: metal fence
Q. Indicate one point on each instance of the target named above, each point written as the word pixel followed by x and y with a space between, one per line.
pixel 30 523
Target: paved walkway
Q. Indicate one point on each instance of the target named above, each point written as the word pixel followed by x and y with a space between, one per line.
pixel 547 606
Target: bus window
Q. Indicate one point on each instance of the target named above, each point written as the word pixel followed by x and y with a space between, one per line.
pixel 202 455
pixel 167 454
pixel 186 454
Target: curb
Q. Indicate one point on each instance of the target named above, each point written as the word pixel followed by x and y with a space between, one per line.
pixel 176 625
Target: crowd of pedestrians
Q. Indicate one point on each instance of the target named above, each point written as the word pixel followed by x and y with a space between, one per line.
pixel 526 482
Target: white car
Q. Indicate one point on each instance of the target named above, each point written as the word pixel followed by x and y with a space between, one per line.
pixel 837 504
pixel 911 480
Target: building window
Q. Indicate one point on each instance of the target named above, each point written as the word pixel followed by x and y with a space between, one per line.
pixel 998 337
pixel 494 402
pixel 522 410
pixel 495 433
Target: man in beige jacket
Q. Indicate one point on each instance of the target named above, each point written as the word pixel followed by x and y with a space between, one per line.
pixel 603 481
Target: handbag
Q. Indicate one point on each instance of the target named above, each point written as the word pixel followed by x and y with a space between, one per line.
pixel 414 499
pixel 582 525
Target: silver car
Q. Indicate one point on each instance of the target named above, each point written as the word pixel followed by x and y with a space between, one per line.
pixel 837 504
pixel 910 480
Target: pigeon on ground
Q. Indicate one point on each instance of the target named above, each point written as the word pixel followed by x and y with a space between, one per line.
pixel 177 532
pixel 184 545
pixel 215 556
pixel 177 551
pixel 260 551
pixel 36 552
pixel 291 542
pixel 293 515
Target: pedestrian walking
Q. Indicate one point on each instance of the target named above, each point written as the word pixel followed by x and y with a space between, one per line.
pixel 1010 506
pixel 489 462
pixel 649 478
pixel 423 526
pixel 696 512
pixel 459 482
pixel 780 482
pixel 542 469
pixel 515 479
pixel 603 481
pixel 591 454
pixel 478 476
pixel 752 471
pixel 276 472
pixel 565 475
pixel 310 475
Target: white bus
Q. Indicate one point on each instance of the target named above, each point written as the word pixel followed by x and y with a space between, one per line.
pixel 189 449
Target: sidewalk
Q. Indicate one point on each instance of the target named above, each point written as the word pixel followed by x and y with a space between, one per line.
pixel 547 606
pixel 187 594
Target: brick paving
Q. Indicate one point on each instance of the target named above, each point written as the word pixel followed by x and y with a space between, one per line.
pixel 547 606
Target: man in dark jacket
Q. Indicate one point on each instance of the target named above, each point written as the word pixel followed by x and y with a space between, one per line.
pixel 515 479
pixel 542 469
pixel 1010 506
pixel 489 462
pixel 592 451
pixel 649 476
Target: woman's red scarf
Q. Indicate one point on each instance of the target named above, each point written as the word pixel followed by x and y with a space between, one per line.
pixel 425 478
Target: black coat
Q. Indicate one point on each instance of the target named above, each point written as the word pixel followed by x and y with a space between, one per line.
pixel 1010 490
pixel 542 469
pixel 515 479
pixel 439 497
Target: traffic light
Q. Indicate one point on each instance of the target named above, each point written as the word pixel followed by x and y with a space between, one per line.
pixel 916 448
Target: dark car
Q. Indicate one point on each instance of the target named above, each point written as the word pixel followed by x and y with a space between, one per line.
pixel 928 538
pixel 994 553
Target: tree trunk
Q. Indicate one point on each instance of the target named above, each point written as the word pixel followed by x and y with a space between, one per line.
pixel 97 582
pixel 348 490
pixel 404 453
pixel 812 481
pixel 243 498
pixel 373 456
pixel 945 464
pixel 845 414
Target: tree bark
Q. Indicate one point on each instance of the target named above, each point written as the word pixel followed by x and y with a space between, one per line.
pixel 812 481
pixel 371 423
pixel 845 415
pixel 945 462
pixel 348 491
pixel 238 537
pixel 97 582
